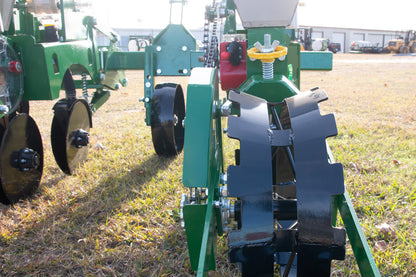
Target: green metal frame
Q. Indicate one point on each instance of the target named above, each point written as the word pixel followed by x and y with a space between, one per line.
pixel 203 123
pixel 173 53
pixel 45 63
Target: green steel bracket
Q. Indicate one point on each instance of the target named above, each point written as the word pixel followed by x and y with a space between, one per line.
pixel 113 77
pixel 359 244
pixel 172 53
pixel 203 143
pixel 203 136
pixel 274 90
pixel 98 99
pixel 201 236
pixel 175 52
pixel 316 60
pixel 148 82
pixel 44 64
pixel 124 60
pixel 230 25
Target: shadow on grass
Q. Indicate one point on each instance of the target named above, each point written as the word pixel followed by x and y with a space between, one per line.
pixel 72 236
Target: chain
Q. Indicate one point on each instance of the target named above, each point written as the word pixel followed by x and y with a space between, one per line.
pixel 211 46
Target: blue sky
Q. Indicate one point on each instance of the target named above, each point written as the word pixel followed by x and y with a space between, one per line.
pixel 366 14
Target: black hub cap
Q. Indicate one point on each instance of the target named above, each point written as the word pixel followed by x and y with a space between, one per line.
pixel 79 138
pixel 25 159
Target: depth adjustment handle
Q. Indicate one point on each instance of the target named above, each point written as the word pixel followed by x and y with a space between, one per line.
pixel 267 54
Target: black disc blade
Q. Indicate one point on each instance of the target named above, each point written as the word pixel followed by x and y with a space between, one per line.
pixel 167 115
pixel 58 135
pixel 21 159
pixel 70 133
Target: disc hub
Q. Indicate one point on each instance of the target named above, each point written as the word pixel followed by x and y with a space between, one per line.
pixel 25 159
pixel 80 138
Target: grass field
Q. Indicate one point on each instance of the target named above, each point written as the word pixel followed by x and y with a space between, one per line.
pixel 118 215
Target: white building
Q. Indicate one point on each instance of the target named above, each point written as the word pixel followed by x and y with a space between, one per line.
pixel 345 36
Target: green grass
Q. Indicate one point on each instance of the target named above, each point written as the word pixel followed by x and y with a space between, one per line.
pixel 118 215
pixel 374 106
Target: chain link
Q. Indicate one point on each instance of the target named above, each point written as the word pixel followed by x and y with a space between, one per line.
pixel 211 45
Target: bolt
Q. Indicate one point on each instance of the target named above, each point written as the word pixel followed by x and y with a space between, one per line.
pixel 4 109
pixel 258 46
pixel 223 180
pixel 175 120
pixel 185 71
pixel 158 48
pixel 226 108
pixel 148 84
pixel 275 44
pixel 158 71
pixel 184 48
pixel 267 41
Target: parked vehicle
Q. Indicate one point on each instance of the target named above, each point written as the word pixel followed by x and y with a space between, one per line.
pixel 403 45
pixel 334 47
pixel 366 47
pixel 319 44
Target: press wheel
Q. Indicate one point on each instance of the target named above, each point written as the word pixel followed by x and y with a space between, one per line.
pixel 167 115
pixel 21 159
pixel 70 133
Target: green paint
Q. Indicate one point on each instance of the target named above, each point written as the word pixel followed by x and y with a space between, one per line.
pixel 194 222
pixel 44 64
pixel 148 82
pixel 319 60
pixel 173 48
pixel 359 244
pixel 280 67
pixel 98 99
pixel 203 143
pixel 203 132
pixel 126 60
pixel 274 90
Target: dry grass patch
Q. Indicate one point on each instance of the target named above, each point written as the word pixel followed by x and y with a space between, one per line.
pixel 118 215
